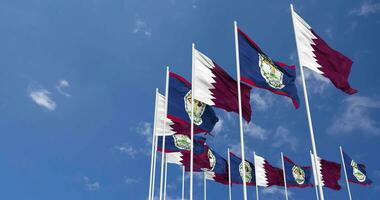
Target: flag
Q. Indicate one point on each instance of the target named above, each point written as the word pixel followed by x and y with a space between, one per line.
pixel 315 54
pixel 356 172
pixel 296 175
pixel 329 172
pixel 266 174
pixel 178 151
pixel 218 170
pixel 179 108
pixel 215 87
pixel 160 118
pixel 236 166
pixel 257 69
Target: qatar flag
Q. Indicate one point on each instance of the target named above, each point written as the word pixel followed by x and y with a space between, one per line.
pixel 266 174
pixel 215 87
pixel 315 54
pixel 328 171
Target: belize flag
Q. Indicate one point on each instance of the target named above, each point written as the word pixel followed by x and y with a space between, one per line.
pixel 356 172
pixel 258 70
pixel 181 142
pixel 218 170
pixel 297 176
pixel 179 108
pixel 237 171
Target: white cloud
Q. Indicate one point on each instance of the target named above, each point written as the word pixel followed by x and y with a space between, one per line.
pixel 262 100
pixel 329 32
pixel 275 191
pixel 91 185
pixel 356 115
pixel 145 129
pixel 316 83
pixel 218 126
pixel 194 4
pixel 129 180
pixel 62 84
pixel 256 131
pixel 127 149
pixel 283 137
pixel 142 28
pixel 41 97
pixel 366 8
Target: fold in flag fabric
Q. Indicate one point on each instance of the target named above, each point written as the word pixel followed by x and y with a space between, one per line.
pixel 296 175
pixel 215 87
pixel 317 55
pixel 218 169
pixel 356 172
pixel 179 108
pixel 179 152
pixel 329 172
pixel 160 118
pixel 258 70
pixel 236 165
pixel 266 174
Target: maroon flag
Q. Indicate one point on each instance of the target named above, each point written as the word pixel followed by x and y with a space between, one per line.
pixel 329 172
pixel 213 86
pixel 317 55
pixel 266 174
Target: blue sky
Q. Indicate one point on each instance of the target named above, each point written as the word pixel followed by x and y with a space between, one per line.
pixel 78 78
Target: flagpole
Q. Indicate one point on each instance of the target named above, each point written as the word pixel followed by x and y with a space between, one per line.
pixel 229 175
pixel 153 150
pixel 257 187
pixel 192 122
pixel 154 166
pixel 314 175
pixel 183 182
pixel 166 177
pixel 204 186
pixel 314 148
pixel 164 132
pixel 283 171
pixel 345 172
pixel 240 109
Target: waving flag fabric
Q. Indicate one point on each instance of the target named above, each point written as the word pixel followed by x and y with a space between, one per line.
pixel 257 69
pixel 356 172
pixel 215 87
pixel 318 56
pixel 329 172
pixel 160 118
pixel 237 173
pixel 296 175
pixel 218 170
pixel 181 142
pixel 179 108
pixel 266 174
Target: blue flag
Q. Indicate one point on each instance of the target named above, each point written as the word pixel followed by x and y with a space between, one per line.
pixel 237 173
pixel 218 170
pixel 258 70
pixel 356 173
pixel 180 142
pixel 179 108
pixel 297 176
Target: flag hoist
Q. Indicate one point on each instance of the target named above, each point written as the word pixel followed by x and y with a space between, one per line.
pixel 314 148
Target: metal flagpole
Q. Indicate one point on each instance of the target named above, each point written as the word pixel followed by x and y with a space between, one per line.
pixel 240 109
pixel 166 177
pixel 164 132
pixel 283 171
pixel 314 175
pixel 229 175
pixel 192 123
pixel 314 148
pixel 345 173
pixel 183 182
pixel 204 186
pixel 154 166
pixel 257 187
pixel 153 150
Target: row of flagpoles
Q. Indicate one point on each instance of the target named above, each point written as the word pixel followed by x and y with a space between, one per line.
pixel 211 87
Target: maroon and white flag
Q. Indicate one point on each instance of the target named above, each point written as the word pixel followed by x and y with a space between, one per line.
pixel 317 55
pixel 328 171
pixel 214 87
pixel 266 174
